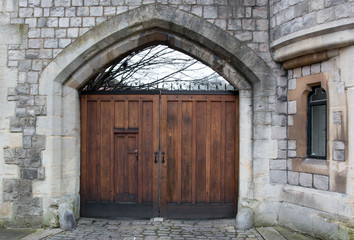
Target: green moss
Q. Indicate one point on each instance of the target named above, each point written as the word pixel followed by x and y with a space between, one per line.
pixel 51 220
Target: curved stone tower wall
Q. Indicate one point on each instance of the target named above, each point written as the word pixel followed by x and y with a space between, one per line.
pixel 314 41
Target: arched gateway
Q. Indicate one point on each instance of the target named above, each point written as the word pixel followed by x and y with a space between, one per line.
pixel 114 39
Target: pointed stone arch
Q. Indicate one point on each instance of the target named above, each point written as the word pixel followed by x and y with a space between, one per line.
pixel 118 36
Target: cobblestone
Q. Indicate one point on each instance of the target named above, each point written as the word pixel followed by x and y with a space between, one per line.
pixel 149 229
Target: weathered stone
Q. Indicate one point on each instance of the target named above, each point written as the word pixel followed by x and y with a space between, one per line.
pixel 278 177
pixel 321 182
pixel 293 178
pixel 244 219
pixel 337 118
pixel 66 217
pixel 339 155
pixel 29 174
pixel 305 179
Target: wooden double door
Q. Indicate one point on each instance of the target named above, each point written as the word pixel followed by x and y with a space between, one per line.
pixel 174 156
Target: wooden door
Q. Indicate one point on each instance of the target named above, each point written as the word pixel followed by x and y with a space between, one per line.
pixel 119 137
pixel 200 148
pixel 148 155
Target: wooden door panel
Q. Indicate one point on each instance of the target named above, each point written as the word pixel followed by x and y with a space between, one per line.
pixel 126 168
pixel 148 147
pixel 187 157
pixel 120 134
pixel 92 193
pixel 106 151
pixel 201 154
pixel 173 188
pixel 199 137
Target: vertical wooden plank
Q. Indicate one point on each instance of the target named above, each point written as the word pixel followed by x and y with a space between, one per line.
pixel 237 148
pixel 215 153
pixel 132 167
pixel 179 155
pixel 186 145
pixel 222 152
pixel 133 114
pixel 126 113
pixel 141 153
pixel 83 170
pixel 119 114
pixel 147 152
pixel 201 151
pixel 172 151
pixel 106 147
pixel 208 152
pixel 230 157
pixel 120 155
pixel 194 151
pixel 93 149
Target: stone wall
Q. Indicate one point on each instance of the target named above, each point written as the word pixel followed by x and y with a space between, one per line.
pixel 49 48
pixel 288 17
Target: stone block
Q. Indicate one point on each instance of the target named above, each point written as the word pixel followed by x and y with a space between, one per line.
pixel 260 12
pixel 339 155
pixel 278 177
pixel 265 148
pixel 38 142
pixel 293 178
pixel 316 5
pixel 260 36
pixel 88 22
pixel 234 24
pixel 210 12
pixel 279 133
pixel 29 174
pixel 325 15
pixel 281 107
pixel 244 219
pixel 321 182
pixel 303 220
pixel 338 145
pixel 51 43
pixel 25 65
pixel 292 107
pixel 66 217
pixel 278 164
pixel 292 144
pixel 305 179
pixel 279 120
pixel 224 12
pixel 96 11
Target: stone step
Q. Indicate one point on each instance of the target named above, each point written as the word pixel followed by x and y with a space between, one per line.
pixel 269 233
pixel 288 234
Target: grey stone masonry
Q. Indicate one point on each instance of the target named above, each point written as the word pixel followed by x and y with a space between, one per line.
pixel 52 25
pixel 290 16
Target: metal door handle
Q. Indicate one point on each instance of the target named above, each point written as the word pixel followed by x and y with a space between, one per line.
pixel 163 157
pixel 137 155
pixel 155 157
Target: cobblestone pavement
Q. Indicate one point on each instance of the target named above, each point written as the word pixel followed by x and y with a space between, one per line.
pixel 157 229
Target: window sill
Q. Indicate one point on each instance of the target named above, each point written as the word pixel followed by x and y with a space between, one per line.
pixel 315 161
pixel 310 165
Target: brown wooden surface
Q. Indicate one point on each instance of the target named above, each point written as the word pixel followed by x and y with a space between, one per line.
pixel 198 136
pixel 119 135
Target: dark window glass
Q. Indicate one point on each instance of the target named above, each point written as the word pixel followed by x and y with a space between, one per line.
pixel 317 123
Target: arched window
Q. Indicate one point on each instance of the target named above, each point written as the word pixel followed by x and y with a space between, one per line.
pixel 317 123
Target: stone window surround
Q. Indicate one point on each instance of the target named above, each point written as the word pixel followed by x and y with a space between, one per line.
pixel 301 163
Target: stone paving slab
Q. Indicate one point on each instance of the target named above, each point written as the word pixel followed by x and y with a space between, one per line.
pixel 16 233
pixel 151 230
